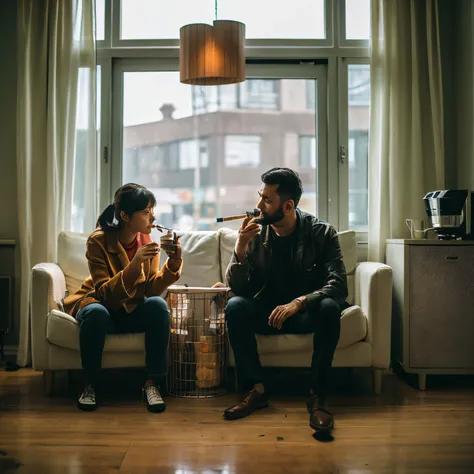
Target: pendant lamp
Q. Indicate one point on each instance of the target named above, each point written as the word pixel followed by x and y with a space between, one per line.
pixel 212 55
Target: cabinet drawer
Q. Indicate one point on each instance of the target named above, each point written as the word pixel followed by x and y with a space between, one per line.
pixel 441 306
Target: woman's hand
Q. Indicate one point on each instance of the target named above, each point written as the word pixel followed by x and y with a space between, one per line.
pixel 174 259
pixel 145 252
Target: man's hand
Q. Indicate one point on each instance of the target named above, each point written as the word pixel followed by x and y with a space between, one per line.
pixel 281 313
pixel 248 230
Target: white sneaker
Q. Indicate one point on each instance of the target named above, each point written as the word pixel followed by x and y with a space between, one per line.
pixel 154 402
pixel 87 400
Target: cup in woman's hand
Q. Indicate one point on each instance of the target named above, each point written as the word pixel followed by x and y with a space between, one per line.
pixel 168 243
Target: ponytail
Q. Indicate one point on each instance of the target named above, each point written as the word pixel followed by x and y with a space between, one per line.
pixel 106 219
pixel 129 199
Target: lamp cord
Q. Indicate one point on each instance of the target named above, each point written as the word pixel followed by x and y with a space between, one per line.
pixel 215 8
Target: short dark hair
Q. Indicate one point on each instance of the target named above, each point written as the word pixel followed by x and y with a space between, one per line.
pixel 289 183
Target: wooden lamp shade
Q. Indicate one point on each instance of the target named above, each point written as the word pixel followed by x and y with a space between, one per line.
pixel 212 55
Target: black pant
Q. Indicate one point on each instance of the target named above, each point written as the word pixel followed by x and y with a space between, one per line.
pixel 247 317
pixel 151 317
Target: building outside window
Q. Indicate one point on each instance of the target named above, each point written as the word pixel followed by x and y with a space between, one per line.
pixel 242 151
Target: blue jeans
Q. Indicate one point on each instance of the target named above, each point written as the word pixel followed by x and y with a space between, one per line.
pixel 151 317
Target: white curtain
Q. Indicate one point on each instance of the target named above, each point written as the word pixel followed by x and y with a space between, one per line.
pixel 406 150
pixel 57 177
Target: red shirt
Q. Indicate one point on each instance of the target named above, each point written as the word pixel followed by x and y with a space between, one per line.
pixel 140 240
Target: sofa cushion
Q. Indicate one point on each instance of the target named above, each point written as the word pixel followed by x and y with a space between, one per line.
pixel 206 256
pixel 227 239
pixel 353 329
pixel 358 354
pixel 63 330
pixel 347 241
pixel 72 259
pixel 200 254
pixel 201 258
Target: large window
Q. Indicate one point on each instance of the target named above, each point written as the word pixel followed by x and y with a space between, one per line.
pixel 209 162
pixel 202 150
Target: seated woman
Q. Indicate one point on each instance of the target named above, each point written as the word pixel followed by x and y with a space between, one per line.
pixel 121 295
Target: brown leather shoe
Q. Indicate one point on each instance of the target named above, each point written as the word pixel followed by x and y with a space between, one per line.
pixel 253 401
pixel 320 419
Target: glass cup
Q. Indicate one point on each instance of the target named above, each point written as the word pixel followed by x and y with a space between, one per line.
pixel 168 242
pixel 416 228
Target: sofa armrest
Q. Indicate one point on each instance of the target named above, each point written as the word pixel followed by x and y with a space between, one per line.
pixel 373 293
pixel 48 288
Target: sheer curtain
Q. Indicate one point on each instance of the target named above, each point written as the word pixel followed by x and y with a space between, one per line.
pixel 57 165
pixel 406 150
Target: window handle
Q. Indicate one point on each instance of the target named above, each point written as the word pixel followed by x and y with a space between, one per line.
pixel 342 154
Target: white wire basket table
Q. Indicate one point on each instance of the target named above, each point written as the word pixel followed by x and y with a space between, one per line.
pixel 198 341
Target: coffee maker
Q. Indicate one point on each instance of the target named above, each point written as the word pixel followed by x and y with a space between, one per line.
pixel 452 213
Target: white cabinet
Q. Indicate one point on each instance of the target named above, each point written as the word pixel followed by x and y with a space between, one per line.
pixel 433 306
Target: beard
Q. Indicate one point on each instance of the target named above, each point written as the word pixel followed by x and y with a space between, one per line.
pixel 268 219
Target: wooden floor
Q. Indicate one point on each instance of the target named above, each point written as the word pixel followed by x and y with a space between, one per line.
pixel 401 431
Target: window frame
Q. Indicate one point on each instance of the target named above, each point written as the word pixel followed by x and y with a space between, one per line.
pixel 327 175
pixel 117 42
pixel 335 50
pixel 343 80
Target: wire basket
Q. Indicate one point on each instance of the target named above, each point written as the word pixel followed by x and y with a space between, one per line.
pixel 198 340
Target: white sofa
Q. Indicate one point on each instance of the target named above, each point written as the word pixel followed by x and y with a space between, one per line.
pixel 365 327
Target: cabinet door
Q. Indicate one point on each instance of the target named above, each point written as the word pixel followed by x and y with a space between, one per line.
pixel 441 306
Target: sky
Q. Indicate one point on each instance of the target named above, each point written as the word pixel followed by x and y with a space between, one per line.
pixel 145 92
